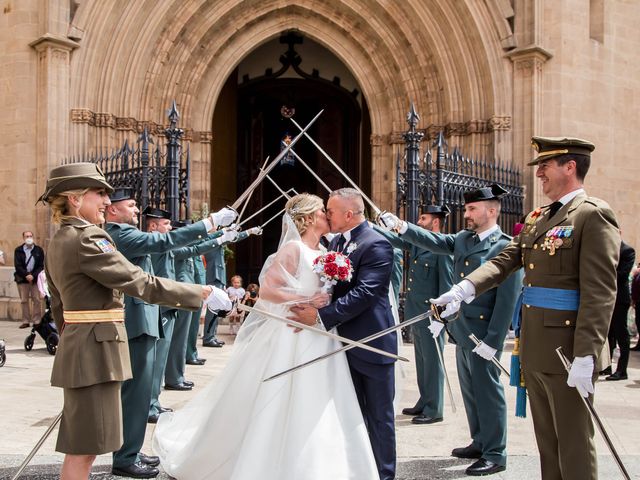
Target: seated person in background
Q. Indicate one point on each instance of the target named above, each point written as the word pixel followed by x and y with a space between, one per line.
pixel 251 297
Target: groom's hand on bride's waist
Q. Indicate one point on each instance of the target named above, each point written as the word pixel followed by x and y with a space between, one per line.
pixel 304 313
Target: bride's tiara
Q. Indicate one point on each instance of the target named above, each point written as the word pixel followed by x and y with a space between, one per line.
pixel 293 211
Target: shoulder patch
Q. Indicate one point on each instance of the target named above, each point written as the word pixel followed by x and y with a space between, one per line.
pixel 104 245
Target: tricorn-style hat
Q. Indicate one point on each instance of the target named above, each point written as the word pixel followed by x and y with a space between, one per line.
pixel 439 210
pixel 181 223
pixel 74 176
pixel 151 212
pixel 494 192
pixel 121 193
pixel 549 147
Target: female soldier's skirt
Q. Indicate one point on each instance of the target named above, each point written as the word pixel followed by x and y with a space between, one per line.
pixel 91 420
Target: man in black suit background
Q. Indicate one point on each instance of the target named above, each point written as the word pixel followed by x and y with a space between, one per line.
pixel 28 260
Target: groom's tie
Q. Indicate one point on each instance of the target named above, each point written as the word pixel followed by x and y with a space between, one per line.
pixel 341 242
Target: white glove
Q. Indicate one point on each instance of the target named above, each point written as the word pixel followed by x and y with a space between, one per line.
pixel 389 222
pixel 460 292
pixel 218 300
pixel 485 351
pixel 224 217
pixel 581 374
pixel 229 235
pixel 254 231
pixel 435 327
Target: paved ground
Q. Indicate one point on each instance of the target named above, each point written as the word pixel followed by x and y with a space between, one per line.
pixel 30 405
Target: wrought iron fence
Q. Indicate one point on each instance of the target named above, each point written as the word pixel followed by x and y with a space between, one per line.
pixel 441 177
pixel 158 175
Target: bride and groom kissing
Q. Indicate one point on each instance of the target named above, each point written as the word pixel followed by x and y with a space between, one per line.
pixel 333 419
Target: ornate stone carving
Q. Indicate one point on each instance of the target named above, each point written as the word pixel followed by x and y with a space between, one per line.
pixel 498 122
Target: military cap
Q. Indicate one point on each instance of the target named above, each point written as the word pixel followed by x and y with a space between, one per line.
pixel 494 192
pixel 549 147
pixel 181 223
pixel 122 193
pixel 74 176
pixel 438 210
pixel 151 212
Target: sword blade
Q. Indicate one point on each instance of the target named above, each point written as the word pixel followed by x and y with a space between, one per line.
pixel 275 161
pixel 494 360
pixel 596 419
pixel 262 209
pixel 379 334
pixel 324 333
pixel 35 449
pixel 446 375
pixel 287 196
pixel 375 208
pixel 315 175
pixel 244 207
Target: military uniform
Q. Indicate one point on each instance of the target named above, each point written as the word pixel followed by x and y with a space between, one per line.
pixel 430 275
pixel 199 277
pixel 143 329
pixel 85 272
pixel 571 255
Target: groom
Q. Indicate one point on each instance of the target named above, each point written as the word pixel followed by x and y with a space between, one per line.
pixel 360 308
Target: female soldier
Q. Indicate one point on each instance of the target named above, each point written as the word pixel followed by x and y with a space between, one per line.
pixel 87 277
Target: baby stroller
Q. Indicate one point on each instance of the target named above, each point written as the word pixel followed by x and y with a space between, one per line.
pixel 46 329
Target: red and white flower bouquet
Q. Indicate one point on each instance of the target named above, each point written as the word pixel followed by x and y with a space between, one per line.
pixel 333 267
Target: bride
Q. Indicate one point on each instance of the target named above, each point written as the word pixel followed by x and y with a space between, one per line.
pixel 302 426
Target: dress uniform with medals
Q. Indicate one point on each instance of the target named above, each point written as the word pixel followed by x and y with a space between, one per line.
pixel 86 274
pixel 430 275
pixel 569 251
pixel 143 326
pixel 488 316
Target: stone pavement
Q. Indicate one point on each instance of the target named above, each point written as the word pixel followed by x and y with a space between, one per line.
pixel 30 404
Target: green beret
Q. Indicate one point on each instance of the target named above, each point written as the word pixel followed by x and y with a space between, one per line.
pixel 549 147
pixel 74 176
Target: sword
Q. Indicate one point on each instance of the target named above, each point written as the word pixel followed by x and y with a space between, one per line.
pixel 315 175
pixel 286 195
pixel 596 418
pixel 379 334
pixel 277 214
pixel 324 333
pixel 263 208
pixel 244 207
pixel 376 210
pixel 275 161
pixel 37 446
pixel 494 360
pixel 446 376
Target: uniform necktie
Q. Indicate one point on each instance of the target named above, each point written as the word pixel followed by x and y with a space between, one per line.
pixel 341 242
pixel 476 239
pixel 553 208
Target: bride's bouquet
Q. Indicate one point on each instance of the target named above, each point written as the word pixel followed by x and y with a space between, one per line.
pixel 333 267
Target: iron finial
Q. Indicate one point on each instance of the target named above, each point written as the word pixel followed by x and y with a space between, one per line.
pixel 413 117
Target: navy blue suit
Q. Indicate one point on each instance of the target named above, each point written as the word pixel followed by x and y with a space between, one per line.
pixel 360 308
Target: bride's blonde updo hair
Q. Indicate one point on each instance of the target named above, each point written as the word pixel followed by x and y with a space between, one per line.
pixel 301 207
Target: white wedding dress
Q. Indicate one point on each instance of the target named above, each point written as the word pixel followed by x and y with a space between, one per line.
pixel 303 426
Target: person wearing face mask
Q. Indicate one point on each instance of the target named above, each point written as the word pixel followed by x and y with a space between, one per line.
pixel 29 262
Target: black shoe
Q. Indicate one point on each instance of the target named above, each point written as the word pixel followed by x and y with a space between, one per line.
pixel 606 371
pixel 153 418
pixel 466 452
pixel 412 411
pixel 484 467
pixel 164 410
pixel 151 460
pixel 24 325
pixel 136 470
pixel 424 420
pixel 188 383
pixel 211 343
pixel 221 342
pixel 198 361
pixel 617 376
pixel 180 387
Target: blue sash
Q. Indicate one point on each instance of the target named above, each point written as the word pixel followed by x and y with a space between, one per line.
pixel 541 297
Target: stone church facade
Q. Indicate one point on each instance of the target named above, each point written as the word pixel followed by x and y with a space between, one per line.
pixel 82 75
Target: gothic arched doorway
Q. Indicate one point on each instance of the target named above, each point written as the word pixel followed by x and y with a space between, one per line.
pixel 258 106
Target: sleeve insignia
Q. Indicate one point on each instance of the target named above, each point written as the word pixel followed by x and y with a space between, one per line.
pixel 104 245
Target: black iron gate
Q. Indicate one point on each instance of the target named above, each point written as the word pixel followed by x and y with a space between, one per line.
pixel 442 178
pixel 158 175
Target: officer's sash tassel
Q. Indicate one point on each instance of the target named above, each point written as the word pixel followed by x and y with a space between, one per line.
pixel 516 376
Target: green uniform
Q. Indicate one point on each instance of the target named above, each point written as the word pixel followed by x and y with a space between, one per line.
pixel 143 329
pixel 430 275
pixel 185 272
pixel 86 272
pixel 488 317
pixel 584 260
pixel 200 277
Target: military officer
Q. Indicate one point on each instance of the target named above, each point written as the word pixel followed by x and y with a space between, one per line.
pixel 86 274
pixel 185 272
pixel 143 326
pixel 488 316
pixel 200 278
pixel 430 275
pixel 569 250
